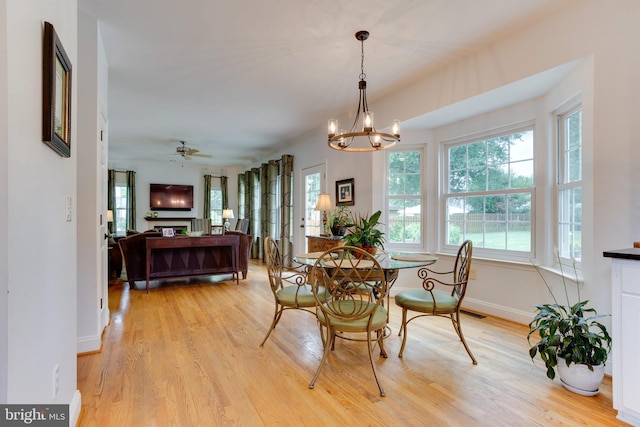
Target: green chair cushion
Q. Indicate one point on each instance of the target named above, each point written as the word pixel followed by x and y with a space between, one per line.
pixel 354 325
pixel 287 296
pixel 421 300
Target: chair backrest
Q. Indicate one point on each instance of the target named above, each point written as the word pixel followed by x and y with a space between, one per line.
pixel 348 283
pixel 462 267
pixel 201 224
pixel 242 225
pixel 274 263
pixel 134 254
pixel 273 258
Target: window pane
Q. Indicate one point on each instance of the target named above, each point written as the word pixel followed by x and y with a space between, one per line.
pixel 494 215
pixel 404 221
pixel 457 181
pixel 458 157
pixel 404 210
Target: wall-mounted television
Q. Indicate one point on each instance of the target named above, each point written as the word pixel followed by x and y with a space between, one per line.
pixel 170 197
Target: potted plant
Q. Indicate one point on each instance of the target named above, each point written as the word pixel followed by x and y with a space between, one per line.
pixel 571 340
pixel 364 234
pixel 339 221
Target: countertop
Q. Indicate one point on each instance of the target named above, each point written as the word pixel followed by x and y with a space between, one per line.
pixel 630 253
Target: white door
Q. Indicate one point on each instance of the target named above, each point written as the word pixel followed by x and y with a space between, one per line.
pixel 314 182
pixel 104 225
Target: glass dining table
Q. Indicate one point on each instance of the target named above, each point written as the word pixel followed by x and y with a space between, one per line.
pixel 390 261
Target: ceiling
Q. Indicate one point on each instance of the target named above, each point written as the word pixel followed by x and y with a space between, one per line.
pixel 235 78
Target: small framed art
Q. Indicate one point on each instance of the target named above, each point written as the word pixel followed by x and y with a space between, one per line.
pixel 345 195
pixel 217 230
pixel 56 94
pixel 168 232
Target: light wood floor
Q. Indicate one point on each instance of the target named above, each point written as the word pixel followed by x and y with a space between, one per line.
pixel 189 355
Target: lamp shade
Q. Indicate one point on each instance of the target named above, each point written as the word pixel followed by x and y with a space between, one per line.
pixel 109 215
pixel 324 202
pixel 227 213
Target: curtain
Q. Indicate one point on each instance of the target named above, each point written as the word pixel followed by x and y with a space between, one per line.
pixel 253 177
pixel 206 206
pixel 131 201
pixel 225 192
pixel 286 208
pixel 242 197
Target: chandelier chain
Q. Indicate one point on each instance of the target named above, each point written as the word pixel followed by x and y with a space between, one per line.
pixel 362 74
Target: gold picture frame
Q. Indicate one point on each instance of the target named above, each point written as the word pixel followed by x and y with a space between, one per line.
pixel 56 94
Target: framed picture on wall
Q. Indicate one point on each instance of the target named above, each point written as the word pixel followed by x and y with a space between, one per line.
pixel 56 94
pixel 345 195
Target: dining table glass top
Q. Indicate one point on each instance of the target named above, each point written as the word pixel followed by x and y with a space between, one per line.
pixel 388 260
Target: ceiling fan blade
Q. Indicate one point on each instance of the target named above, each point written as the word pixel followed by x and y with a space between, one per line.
pixel 202 155
pixel 186 156
pixel 191 151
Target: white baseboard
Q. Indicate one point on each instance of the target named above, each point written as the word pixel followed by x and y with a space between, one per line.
pixel 500 311
pixel 74 409
pixel 485 307
pixel 88 344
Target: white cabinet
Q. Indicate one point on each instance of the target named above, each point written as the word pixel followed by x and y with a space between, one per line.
pixel 626 334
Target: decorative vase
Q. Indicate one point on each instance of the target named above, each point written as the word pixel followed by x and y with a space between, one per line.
pixel 336 230
pixel 579 379
pixel 371 249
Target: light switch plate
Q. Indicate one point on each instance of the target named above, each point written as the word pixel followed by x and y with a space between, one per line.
pixel 67 208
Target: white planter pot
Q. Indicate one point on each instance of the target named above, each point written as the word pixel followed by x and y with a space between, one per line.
pixel 579 378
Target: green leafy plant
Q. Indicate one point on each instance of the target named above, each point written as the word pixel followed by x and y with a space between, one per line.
pixel 363 233
pixel 570 332
pixel 339 220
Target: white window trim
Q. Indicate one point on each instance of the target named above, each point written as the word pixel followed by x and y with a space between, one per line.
pixel 423 199
pixel 561 112
pixel 443 147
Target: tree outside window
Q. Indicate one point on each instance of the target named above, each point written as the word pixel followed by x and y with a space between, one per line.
pixel 490 192
pixel 404 195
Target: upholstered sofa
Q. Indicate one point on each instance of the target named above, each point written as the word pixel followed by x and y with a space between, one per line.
pixel 134 254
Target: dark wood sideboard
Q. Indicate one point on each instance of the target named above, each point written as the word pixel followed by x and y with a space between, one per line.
pixel 191 256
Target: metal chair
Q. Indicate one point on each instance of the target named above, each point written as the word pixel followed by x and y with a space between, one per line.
pixel 349 286
pixel 432 302
pixel 288 285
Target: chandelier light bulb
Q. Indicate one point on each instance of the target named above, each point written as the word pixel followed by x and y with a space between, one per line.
pixel 395 128
pixel 367 121
pixel 333 126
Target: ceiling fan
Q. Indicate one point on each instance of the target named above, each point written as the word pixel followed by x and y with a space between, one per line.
pixel 187 153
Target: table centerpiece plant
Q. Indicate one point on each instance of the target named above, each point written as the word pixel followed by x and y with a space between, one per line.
pixel 570 335
pixel 364 234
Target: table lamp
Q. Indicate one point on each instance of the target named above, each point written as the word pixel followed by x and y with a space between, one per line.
pixel 109 220
pixel 324 205
pixel 226 215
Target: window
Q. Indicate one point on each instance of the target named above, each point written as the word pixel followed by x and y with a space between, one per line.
pixel 121 209
pixel 216 206
pixel 569 197
pixel 489 193
pixel 404 196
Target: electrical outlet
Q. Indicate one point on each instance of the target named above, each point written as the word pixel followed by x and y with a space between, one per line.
pixel 56 380
pixel 472 274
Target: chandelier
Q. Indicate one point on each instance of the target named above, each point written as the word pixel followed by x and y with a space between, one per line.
pixel 362 128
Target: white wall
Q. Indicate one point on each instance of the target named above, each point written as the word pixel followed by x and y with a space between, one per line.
pixel 41 260
pixel 179 172
pixel 4 206
pixel 602 35
pixel 93 312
